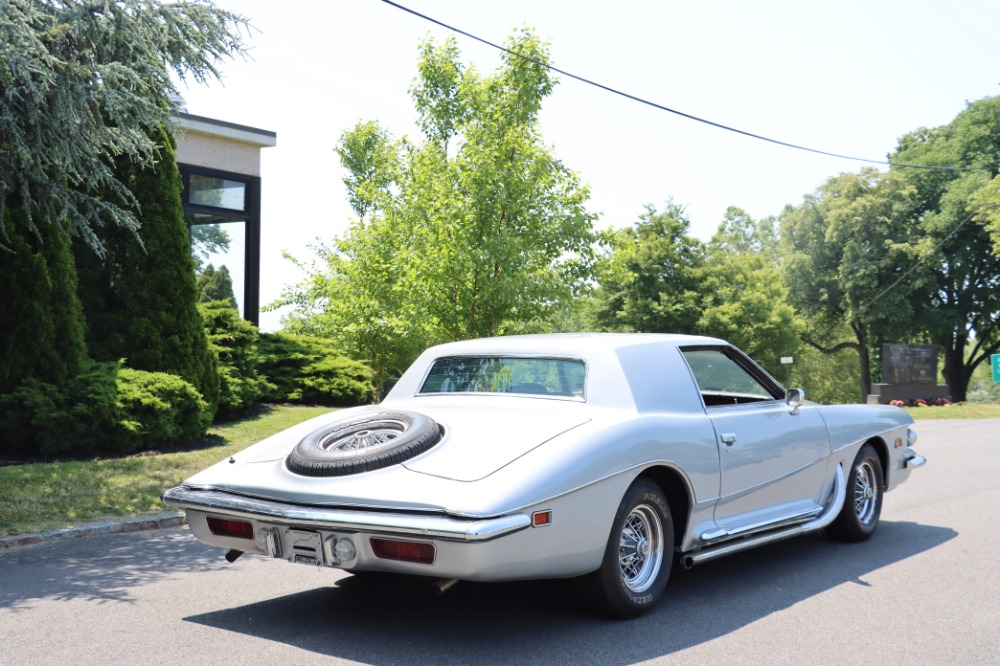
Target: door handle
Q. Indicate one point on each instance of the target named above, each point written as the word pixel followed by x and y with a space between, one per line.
pixel 729 438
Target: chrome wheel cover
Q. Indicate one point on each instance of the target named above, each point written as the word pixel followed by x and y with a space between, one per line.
pixel 369 437
pixel 865 493
pixel 640 549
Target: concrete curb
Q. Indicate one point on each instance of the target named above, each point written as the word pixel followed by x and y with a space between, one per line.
pixel 94 529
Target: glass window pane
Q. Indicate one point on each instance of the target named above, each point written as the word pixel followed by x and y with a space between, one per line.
pixel 717 373
pixel 217 192
pixel 491 374
pixel 219 252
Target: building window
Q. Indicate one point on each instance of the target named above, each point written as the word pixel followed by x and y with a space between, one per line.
pixel 222 210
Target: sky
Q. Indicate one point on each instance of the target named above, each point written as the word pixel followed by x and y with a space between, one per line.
pixel 848 77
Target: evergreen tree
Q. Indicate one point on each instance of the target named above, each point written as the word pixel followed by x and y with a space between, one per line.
pixel 41 324
pixel 140 301
pixel 216 284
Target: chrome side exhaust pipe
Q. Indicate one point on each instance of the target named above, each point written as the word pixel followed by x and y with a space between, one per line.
pixel 821 521
pixel 443 585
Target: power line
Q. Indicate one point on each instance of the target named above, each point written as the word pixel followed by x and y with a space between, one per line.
pixel 661 107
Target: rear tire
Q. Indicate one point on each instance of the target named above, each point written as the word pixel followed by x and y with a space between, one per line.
pixel 638 555
pixel 858 519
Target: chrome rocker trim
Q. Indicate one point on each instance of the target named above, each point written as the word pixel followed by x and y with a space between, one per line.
pixel 430 527
pixel 689 560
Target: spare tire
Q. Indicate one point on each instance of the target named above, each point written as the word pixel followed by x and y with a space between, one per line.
pixel 363 444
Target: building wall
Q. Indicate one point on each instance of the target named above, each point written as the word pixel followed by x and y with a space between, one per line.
pixel 214 152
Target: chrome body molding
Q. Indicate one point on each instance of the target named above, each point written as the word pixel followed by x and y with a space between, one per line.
pixel 398 524
pixel 775 534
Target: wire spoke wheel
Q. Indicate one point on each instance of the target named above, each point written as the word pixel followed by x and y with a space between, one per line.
pixel 366 438
pixel 858 519
pixel 865 492
pixel 640 550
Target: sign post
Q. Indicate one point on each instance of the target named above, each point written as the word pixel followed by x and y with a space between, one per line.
pixel 787 362
pixel 995 359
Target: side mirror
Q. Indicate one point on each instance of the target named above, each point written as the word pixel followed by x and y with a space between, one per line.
pixel 794 399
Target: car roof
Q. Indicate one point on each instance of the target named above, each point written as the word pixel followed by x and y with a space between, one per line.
pixel 635 371
pixel 566 344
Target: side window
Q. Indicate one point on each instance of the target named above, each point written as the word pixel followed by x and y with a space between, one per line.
pixel 723 381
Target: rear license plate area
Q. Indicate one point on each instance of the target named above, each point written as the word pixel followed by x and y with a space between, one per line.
pixel 305 547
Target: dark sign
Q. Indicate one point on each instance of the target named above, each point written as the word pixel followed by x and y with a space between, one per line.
pixel 909 364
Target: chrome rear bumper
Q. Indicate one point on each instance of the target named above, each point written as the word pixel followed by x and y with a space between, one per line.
pixel 394 524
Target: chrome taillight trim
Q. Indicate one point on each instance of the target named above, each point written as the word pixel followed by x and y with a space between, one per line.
pixel 433 527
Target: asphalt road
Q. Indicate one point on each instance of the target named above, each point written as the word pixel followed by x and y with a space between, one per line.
pixel 924 590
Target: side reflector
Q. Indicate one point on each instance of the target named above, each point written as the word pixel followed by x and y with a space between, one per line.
pixel 405 551
pixel 540 518
pixel 238 529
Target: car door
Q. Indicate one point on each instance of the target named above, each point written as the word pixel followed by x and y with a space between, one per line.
pixel 772 457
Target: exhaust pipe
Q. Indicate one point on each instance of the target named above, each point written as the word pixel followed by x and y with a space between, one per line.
pixel 443 585
pixel 233 555
pixel 821 521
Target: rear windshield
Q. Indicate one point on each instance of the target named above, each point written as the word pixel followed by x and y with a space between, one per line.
pixel 506 374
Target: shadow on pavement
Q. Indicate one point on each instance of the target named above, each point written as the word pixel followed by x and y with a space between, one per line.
pixel 101 568
pixel 387 619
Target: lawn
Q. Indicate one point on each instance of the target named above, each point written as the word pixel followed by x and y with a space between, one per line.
pixel 46 496
pixel 960 411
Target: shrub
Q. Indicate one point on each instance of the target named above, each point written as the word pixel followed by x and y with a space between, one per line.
pixel 140 298
pixel 234 342
pixel 312 371
pixel 104 409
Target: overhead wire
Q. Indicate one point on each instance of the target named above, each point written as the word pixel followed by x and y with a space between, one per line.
pixel 728 128
pixel 661 107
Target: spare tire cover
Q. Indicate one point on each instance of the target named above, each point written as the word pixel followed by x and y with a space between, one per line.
pixel 363 444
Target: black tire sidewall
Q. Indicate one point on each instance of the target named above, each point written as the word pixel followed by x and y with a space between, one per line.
pixel 615 597
pixel 309 458
pixel 847 526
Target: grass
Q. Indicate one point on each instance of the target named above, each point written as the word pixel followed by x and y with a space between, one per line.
pixel 53 495
pixel 960 411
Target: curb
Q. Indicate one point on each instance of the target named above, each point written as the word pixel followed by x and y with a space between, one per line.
pixel 118 526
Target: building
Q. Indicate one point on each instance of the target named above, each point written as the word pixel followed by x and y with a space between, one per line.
pixel 220 165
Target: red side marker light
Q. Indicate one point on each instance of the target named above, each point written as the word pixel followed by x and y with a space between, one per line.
pixel 540 518
pixel 238 529
pixel 405 551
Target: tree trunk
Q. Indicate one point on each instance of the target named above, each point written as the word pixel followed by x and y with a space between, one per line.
pixel 956 373
pixel 866 362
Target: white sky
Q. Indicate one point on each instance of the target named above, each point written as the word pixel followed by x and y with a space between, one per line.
pixel 848 77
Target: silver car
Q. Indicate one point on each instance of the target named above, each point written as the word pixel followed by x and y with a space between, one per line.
pixel 607 457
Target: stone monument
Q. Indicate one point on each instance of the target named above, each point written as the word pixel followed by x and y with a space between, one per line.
pixel 908 372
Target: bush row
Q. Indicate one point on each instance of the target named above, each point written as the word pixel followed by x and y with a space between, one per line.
pixel 110 408
pixel 105 408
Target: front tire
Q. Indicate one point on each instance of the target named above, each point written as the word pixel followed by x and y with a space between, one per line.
pixel 638 556
pixel 859 518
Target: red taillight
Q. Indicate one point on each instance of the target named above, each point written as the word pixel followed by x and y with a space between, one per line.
pixel 238 529
pixel 540 518
pixel 406 551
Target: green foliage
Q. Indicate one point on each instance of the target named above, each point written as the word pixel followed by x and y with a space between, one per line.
pixel 233 340
pixel 311 371
pixel 478 230
pixel 104 409
pixel 43 334
pixel 745 303
pixel 140 298
pixel 216 284
pixel 843 247
pixel 206 240
pixel 84 82
pixel 960 310
pixel 649 276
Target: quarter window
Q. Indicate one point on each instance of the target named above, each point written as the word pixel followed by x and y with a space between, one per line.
pixel 722 380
